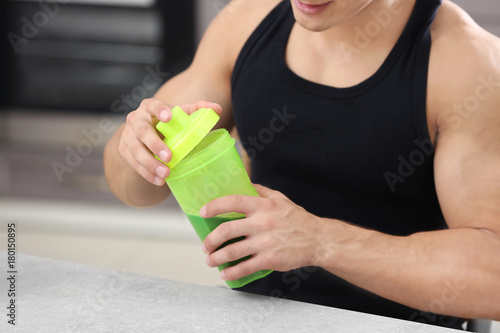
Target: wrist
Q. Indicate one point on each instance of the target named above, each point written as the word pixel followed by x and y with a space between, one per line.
pixel 333 239
pixel 324 248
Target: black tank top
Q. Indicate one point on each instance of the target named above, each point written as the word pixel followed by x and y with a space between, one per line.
pixel 361 154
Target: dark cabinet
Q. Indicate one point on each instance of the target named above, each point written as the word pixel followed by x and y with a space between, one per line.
pixel 91 55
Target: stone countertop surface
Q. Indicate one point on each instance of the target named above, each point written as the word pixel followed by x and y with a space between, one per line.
pixel 58 296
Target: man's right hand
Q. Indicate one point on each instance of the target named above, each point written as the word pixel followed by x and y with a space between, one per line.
pixel 133 173
pixel 140 141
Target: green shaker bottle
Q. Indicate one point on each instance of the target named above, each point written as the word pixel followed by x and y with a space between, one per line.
pixel 205 167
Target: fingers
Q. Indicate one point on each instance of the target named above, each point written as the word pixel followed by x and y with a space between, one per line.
pixel 235 251
pixel 233 203
pixel 190 108
pixel 157 108
pixel 148 136
pixel 140 141
pixel 229 253
pixel 244 268
pixel 225 232
pixel 147 174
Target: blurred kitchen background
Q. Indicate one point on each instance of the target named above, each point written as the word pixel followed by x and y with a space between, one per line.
pixel 69 75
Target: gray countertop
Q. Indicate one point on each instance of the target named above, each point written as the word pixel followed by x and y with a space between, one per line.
pixel 57 296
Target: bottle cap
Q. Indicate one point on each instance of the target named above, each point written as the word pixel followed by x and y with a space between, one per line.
pixel 183 132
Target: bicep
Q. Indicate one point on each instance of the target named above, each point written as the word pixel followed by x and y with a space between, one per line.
pixel 467 168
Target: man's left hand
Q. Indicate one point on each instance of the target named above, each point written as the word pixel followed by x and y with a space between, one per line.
pixel 279 235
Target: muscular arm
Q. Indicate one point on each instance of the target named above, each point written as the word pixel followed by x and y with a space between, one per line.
pixel 452 272
pixel 456 271
pixel 131 169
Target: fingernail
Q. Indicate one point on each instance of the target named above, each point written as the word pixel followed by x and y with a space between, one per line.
pixel 203 211
pixel 164 115
pixel 164 156
pixel 207 260
pixel 203 248
pixel 161 171
pixel 223 275
pixel 158 181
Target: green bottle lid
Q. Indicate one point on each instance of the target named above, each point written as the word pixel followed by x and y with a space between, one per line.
pixel 183 132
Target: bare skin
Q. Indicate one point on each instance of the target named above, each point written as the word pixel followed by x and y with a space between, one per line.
pixel 416 270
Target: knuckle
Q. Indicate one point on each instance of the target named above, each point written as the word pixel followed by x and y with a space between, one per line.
pixel 145 104
pixel 221 257
pixel 267 223
pixel 275 194
pixel 268 261
pixel 131 117
pixel 209 243
pixel 261 224
pixel 224 230
pixel 236 251
pixel 269 204
pixel 267 243
pixel 215 258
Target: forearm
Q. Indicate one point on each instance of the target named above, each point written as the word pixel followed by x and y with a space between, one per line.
pixel 453 272
pixel 125 183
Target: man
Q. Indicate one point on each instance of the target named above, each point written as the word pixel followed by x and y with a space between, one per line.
pixel 375 127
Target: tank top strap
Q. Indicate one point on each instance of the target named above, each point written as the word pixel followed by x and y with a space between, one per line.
pixel 420 55
pixel 269 28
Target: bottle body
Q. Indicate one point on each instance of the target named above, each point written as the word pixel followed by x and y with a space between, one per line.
pixel 213 169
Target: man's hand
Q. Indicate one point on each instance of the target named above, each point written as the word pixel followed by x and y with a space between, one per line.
pixel 139 141
pixel 279 235
pixel 131 170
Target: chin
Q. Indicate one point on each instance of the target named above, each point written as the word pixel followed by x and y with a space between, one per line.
pixel 316 23
pixel 313 26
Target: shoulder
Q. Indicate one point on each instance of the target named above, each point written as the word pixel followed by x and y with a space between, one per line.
pixel 464 71
pixel 458 40
pixel 229 31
